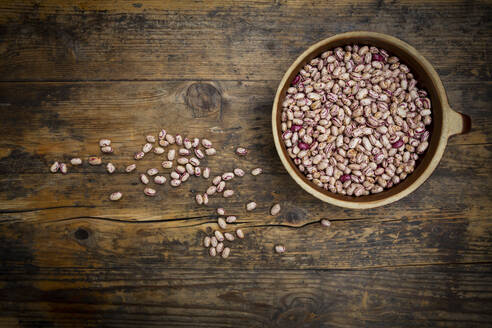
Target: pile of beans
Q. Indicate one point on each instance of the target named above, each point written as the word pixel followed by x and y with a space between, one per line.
pixel 354 120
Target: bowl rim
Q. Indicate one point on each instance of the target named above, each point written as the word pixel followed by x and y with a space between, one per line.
pixel 357 203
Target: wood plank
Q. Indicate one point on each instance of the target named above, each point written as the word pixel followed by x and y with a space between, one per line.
pixel 457 187
pixel 50 118
pixel 435 296
pixel 56 40
pixel 412 238
pixel 46 122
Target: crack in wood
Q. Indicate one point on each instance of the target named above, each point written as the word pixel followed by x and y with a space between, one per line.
pixel 45 208
pixel 127 221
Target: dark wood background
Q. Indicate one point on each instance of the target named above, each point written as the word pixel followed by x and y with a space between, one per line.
pixel 73 73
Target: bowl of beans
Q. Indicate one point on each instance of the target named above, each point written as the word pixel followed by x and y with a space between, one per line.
pixel 361 120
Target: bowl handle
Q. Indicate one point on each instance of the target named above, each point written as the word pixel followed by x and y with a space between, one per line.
pixel 458 123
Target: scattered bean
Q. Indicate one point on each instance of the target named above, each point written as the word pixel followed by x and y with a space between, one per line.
pixel 205 199
pixel 130 168
pixel 183 160
pixel 76 161
pixel 170 139
pixel 221 187
pixel 194 161
pixel 280 249
pixel 222 223
pixel 159 179
pixel 239 233
pixel 158 150
pixel 250 206
pixel 199 199
pixel 144 179
pixel 107 149
pixel 189 168
pixel 139 155
pixel 220 247
pixel 206 143
pixel 95 160
pixel 216 180
pixel 199 153
pixel 104 142
pixel 54 167
pixel 256 171
pixel 206 241
pixel 115 196
pixel 167 164
pixel 152 171
pixel 226 252
pixel 150 139
pixel 110 168
pixel 175 183
pixel 206 173
pixel 180 169
pixel 231 219
pixel 211 190
pixel 220 211
pixel 219 235
pixel 171 154
pixel 212 251
pixel 213 241
pixel 179 140
pixel 184 152
pixel 149 192
pixel 63 168
pixel 195 142
pixel 185 176
pixel 229 236
pixel 241 151
pixel 275 209
pixel 239 172
pixel 198 171
pixel 227 176
pixel 210 151
pixel 187 143
pixel 325 222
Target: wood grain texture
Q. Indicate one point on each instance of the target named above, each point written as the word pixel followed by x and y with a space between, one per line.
pixel 224 297
pixel 73 73
pixel 252 40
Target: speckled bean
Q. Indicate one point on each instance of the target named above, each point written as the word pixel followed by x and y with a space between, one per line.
pixel 239 233
pixel 159 179
pixel 149 192
pixel 115 196
pixel 167 164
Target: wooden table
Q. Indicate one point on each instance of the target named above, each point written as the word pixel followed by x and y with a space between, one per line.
pixel 73 73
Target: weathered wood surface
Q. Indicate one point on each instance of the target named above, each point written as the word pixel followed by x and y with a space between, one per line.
pixel 72 74
pixel 158 296
pixel 225 40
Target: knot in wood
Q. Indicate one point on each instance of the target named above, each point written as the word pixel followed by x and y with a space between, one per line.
pixel 203 99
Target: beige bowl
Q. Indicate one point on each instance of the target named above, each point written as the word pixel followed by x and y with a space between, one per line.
pixel 446 122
